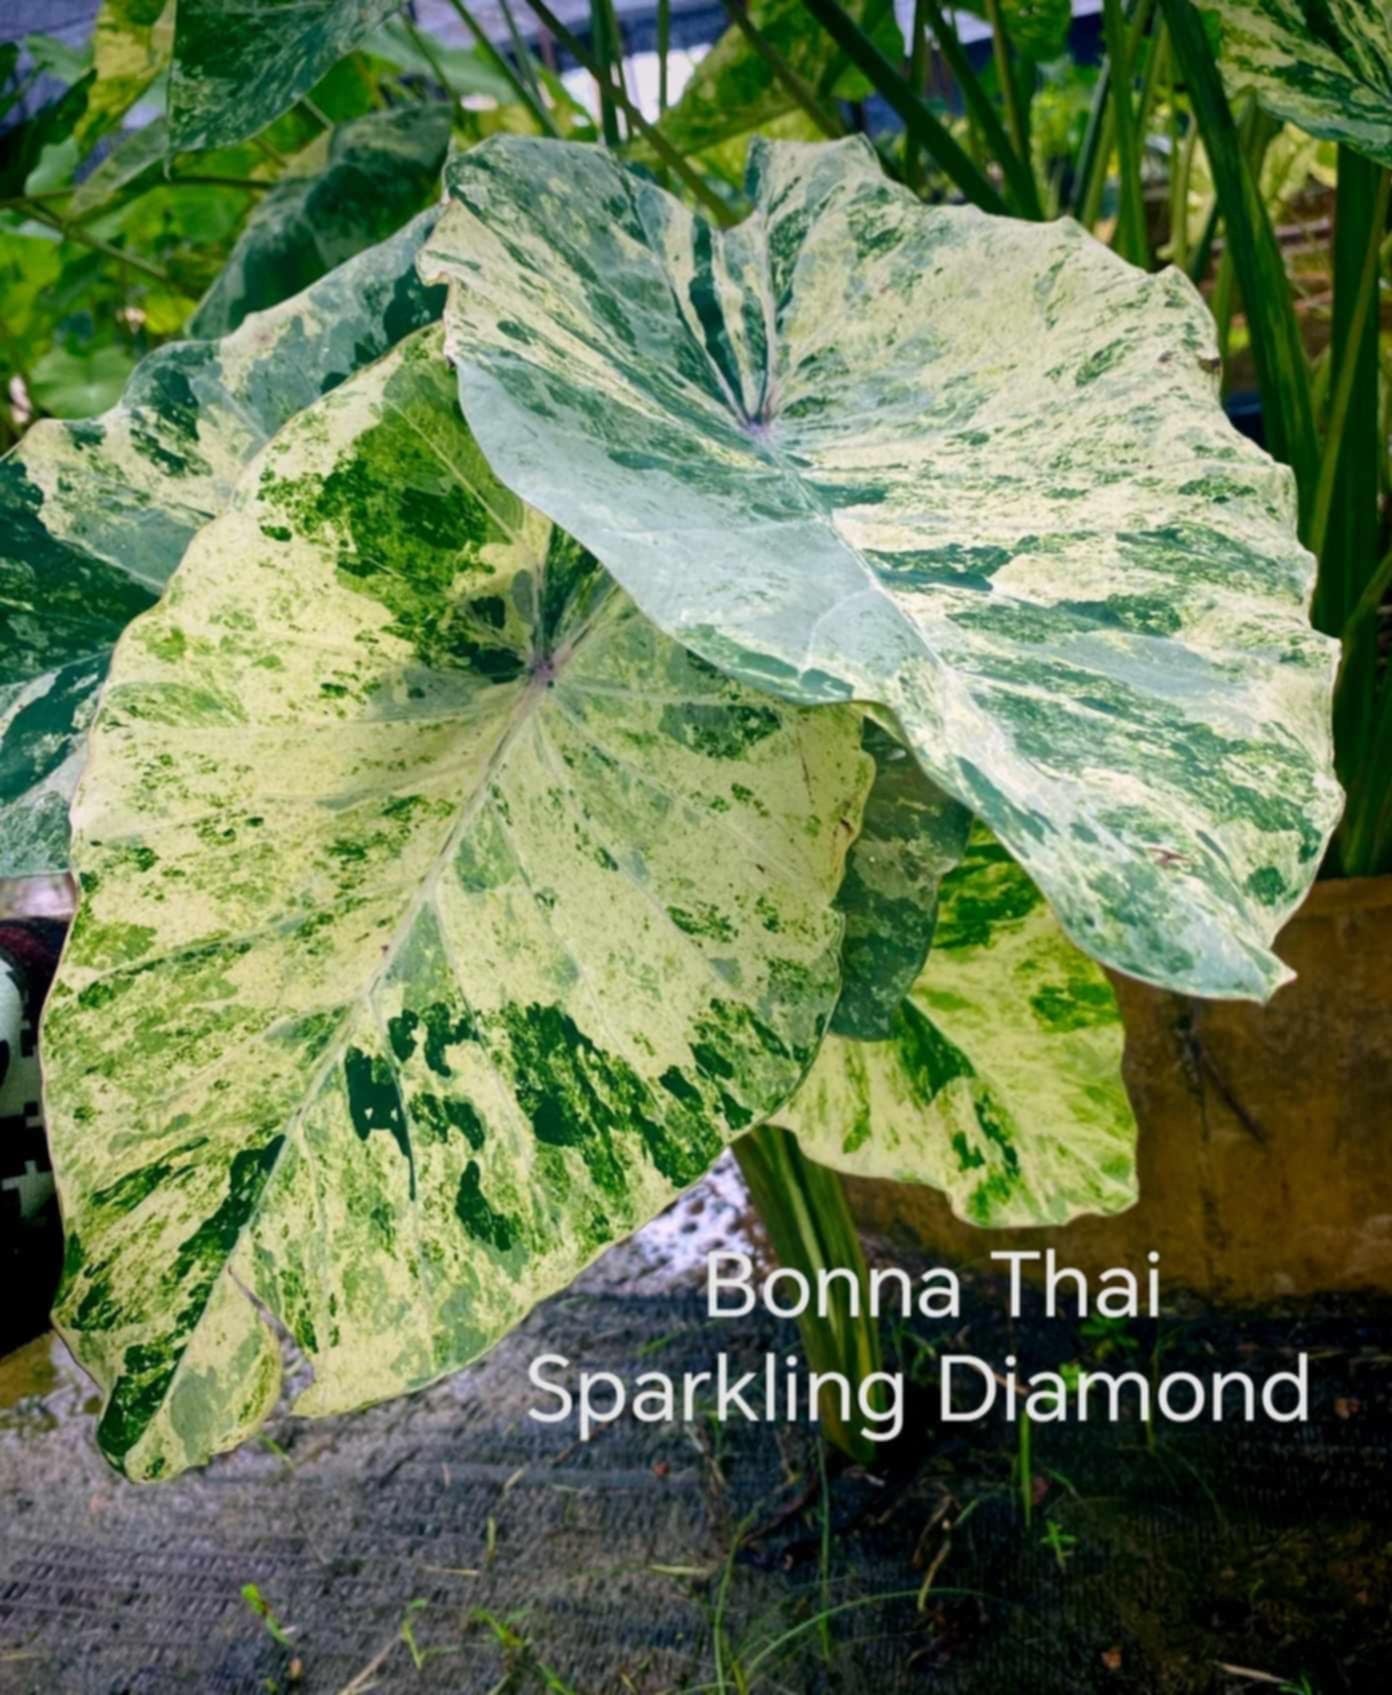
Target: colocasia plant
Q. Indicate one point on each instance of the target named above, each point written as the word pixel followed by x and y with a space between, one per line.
pixel 578 687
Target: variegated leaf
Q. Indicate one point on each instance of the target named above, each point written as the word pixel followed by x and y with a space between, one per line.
pixel 381 169
pixel 1323 64
pixel 233 71
pixel 130 47
pixel 968 468
pixel 911 835
pixel 94 516
pixel 440 921
pixel 1001 1082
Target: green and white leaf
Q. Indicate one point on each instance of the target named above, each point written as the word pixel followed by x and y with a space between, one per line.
pixel 94 516
pixel 911 835
pixel 971 470
pixel 1323 64
pixel 380 170
pixel 733 93
pixel 1001 1083
pixel 233 72
pixel 440 921
pixel 131 41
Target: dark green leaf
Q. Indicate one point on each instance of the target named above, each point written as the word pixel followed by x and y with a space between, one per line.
pixel 381 170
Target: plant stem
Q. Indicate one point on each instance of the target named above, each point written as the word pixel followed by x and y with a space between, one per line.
pixel 1179 187
pixel 1257 259
pixel 654 137
pixel 1130 239
pixel 664 44
pixel 539 110
pixel 982 114
pixel 1100 139
pixel 1346 525
pixel 74 232
pixel 803 1208
pixel 1349 459
pixel 428 53
pixel 258 184
pixel 526 70
pixel 801 92
pixel 934 137
pixel 918 79
pixel 1017 113
pixel 1365 835
pixel 603 48
pixel 264 148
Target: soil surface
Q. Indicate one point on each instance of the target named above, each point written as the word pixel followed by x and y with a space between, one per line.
pixel 448 1542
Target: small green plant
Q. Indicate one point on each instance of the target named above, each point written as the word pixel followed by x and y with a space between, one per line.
pixel 518 1653
pixel 261 1607
pixel 1060 1543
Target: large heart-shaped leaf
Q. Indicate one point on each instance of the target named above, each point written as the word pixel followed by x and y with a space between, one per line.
pixel 441 920
pixel 233 71
pixel 381 169
pixel 1323 64
pixel 968 468
pixel 94 516
pixel 1000 1083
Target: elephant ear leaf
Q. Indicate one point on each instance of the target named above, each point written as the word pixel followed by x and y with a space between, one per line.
pixel 912 834
pixel 231 76
pixel 1000 1081
pixel 441 920
pixel 1326 67
pixel 971 470
pixel 381 169
pixel 95 515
